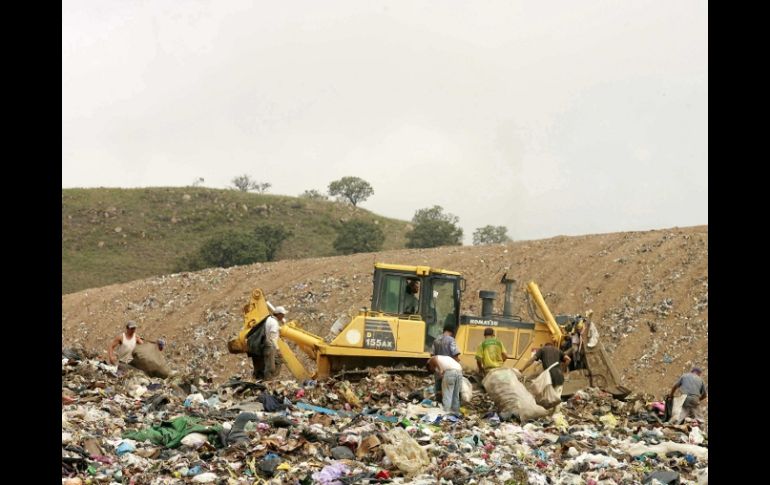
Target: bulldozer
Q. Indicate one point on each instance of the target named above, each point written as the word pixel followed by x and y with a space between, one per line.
pixel 410 307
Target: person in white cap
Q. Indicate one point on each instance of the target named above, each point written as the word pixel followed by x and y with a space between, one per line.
pixel 125 343
pixel 264 365
pixel 590 333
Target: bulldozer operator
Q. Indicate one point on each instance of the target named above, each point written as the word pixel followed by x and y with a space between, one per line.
pixel 412 299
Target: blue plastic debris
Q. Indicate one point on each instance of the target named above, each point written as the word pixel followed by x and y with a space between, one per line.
pixel 125 447
pixel 540 454
pixel 318 409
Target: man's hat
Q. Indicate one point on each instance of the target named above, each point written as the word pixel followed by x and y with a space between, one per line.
pixel 131 324
pixel 279 309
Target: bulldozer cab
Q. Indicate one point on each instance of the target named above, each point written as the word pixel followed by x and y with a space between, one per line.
pixel 418 293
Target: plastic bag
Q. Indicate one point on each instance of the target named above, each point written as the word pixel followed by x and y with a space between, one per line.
pixel 636 449
pixel 207 477
pixel 466 391
pixel 195 440
pixel 541 382
pixel 560 422
pixel 510 395
pixel 331 473
pixel 404 452
pixel 609 421
pixel 549 397
pixel 349 395
pixel 695 437
pixel 542 388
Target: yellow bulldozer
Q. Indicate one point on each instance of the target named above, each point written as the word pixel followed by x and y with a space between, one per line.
pixel 410 307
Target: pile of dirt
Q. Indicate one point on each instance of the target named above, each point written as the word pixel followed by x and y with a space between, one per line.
pixel 648 291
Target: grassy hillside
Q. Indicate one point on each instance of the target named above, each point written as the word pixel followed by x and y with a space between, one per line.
pixel 117 235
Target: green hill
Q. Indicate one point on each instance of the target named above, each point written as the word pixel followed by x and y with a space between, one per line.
pixel 118 235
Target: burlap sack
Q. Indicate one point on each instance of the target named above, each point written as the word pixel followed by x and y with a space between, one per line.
pixel 149 359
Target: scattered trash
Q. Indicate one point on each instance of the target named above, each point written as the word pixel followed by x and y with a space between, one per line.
pixel 695 437
pixel 270 463
pixel 331 473
pixel 207 477
pixel 193 399
pixel 343 453
pixel 609 421
pixel 200 432
pixel 125 447
pixel 194 440
pixel 662 476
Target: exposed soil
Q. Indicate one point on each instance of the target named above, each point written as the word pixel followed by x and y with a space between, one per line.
pixel 648 291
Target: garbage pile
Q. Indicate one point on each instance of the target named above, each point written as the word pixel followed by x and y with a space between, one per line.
pixel 123 427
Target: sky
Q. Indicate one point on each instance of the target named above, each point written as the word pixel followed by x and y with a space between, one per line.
pixel 547 117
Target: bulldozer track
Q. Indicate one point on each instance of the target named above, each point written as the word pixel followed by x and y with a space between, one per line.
pixel 347 374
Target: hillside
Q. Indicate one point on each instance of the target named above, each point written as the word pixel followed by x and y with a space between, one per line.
pixel 118 235
pixel 648 290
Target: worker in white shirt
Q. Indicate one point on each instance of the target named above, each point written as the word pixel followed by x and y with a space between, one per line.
pixel 272 332
pixel 451 374
pixel 122 347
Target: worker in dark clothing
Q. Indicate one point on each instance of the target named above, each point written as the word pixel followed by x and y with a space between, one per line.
pixel 691 385
pixel 550 357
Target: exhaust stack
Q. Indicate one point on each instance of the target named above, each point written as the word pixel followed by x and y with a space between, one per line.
pixel 508 282
pixel 487 302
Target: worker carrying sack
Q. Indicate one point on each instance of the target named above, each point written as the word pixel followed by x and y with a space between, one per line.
pixel 255 339
pixel 148 358
pixel 543 390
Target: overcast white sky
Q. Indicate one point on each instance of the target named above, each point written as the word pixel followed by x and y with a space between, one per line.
pixel 548 117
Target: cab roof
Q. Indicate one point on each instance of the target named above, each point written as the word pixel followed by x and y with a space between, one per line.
pixel 418 270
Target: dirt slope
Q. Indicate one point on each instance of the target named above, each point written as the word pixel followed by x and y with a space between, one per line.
pixel 635 282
